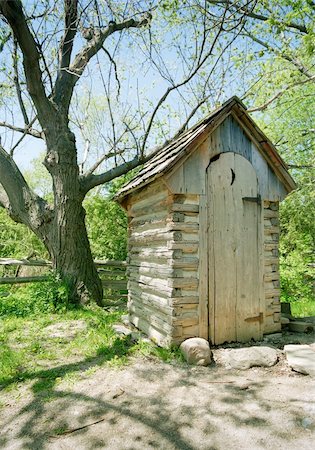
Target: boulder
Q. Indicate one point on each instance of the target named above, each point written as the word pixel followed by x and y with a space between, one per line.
pixel 244 358
pixel 301 358
pixel 196 351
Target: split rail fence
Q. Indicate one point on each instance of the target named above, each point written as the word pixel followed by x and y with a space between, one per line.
pixel 112 273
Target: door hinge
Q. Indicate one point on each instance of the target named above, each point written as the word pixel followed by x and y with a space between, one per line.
pixel 253 199
pixel 259 318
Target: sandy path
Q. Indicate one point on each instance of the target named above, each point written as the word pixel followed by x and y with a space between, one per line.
pixel 154 405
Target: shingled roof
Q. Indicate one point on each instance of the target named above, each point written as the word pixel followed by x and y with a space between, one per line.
pixel 163 160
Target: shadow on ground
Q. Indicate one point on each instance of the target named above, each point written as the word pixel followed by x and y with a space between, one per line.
pixel 154 405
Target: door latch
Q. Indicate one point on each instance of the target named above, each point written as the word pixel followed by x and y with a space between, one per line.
pixel 253 199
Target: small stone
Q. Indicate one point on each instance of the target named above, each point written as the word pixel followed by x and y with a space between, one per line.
pixel 301 327
pixel 247 357
pixel 273 337
pixel 243 385
pixel 301 358
pixel 196 351
pixel 121 329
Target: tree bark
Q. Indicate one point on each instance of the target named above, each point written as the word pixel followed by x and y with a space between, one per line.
pixel 68 241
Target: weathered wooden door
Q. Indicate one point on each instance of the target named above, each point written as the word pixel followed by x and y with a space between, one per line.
pixel 233 249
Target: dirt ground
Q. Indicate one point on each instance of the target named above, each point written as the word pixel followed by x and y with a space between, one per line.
pixel 149 404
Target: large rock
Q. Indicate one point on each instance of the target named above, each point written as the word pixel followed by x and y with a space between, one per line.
pixel 244 358
pixel 196 351
pixel 301 358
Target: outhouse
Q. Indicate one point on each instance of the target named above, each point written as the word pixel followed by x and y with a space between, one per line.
pixel 203 218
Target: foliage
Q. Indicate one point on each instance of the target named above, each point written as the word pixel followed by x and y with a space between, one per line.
pixel 16 240
pixel 35 298
pixel 290 124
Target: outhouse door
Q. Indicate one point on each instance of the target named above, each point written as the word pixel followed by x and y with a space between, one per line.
pixel 233 250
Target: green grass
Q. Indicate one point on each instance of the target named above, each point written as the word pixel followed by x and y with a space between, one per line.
pixel 303 309
pixel 29 352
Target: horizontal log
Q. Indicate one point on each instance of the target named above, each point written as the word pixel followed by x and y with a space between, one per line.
pixel 269 213
pixel 184 227
pixel 269 293
pixel 156 281
pixel 269 246
pixel 136 263
pixel 153 318
pixel 271 268
pixel 158 336
pixel 150 194
pixel 163 293
pixel 186 321
pixel 186 247
pixel 150 299
pixel 24 262
pixel 163 289
pixel 184 300
pixel 155 236
pixel 116 297
pixel 138 210
pixel 145 253
pixel 183 283
pixel 271 260
pixel 190 330
pixel 185 263
pixel 184 207
pixel 112 273
pixel 149 223
pixel 185 308
pixel 114 284
pixel 272 276
pixel 21 280
pixel 109 263
pixel 271 230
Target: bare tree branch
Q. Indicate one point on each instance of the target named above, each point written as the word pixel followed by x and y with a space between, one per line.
pixel 115 69
pixel 81 60
pixel 13 12
pixel 261 17
pixel 303 166
pixel 24 205
pixel 27 130
pixel 91 181
pixel 65 50
pixel 302 69
pixel 17 84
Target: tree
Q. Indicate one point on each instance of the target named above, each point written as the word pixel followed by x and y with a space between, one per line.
pixel 45 88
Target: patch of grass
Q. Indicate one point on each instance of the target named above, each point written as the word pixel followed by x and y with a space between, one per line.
pixel 303 309
pixel 30 352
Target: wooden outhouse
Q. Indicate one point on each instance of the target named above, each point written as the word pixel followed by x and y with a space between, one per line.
pixel 204 233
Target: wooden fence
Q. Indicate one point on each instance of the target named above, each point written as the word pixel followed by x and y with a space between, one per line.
pixel 112 274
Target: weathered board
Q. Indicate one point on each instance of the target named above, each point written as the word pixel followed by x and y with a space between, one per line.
pixel 188 176
pixel 234 272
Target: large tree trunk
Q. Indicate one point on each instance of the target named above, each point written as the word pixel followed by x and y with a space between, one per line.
pixel 68 242
pixel 71 253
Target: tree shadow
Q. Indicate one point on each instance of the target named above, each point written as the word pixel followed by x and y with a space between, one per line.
pixel 163 406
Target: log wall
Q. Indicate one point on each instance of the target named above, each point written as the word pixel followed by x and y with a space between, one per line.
pixel 272 316
pixel 163 264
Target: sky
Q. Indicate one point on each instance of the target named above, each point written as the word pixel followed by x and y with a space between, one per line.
pixel 141 86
